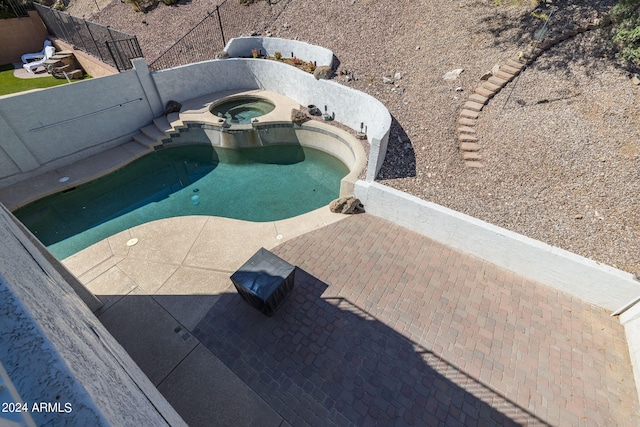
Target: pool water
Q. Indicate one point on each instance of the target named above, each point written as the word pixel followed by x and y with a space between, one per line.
pixel 255 184
pixel 241 111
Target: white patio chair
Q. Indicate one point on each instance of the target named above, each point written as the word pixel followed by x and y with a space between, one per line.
pixel 28 57
pixel 48 53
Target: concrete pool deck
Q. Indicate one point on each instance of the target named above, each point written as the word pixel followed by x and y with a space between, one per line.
pixel 384 325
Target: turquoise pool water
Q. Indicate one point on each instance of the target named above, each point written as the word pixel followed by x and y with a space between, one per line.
pixel 254 184
pixel 241 111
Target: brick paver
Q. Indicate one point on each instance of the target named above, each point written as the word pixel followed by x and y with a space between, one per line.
pixel 387 327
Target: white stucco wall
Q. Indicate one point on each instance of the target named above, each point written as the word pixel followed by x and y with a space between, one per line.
pixel 49 127
pixel 587 280
pixel 55 350
pixel 242 46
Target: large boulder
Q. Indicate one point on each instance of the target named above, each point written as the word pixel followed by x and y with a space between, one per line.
pixel 298 117
pixel 323 72
pixel 346 205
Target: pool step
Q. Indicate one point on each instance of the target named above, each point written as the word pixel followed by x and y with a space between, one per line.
pixel 152 132
pixel 163 124
pixel 143 139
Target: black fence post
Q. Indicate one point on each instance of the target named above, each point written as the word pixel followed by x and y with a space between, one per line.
pixel 113 41
pixel 93 39
pixel 224 42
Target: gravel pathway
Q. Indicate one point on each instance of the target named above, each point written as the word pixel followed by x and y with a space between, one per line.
pixel 559 144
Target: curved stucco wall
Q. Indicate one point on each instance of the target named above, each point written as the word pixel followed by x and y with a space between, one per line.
pixel 242 46
pixel 352 108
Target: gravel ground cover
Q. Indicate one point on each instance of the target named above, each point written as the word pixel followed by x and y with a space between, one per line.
pixel 560 144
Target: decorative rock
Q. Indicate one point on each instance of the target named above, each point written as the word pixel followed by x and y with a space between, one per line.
pixel 635 79
pixel 397 76
pixel 452 75
pixel 459 89
pixel 172 107
pixel 387 80
pixel 486 76
pixel 323 72
pixel 221 55
pixel 579 216
pixel 495 69
pixel 298 117
pixel 346 205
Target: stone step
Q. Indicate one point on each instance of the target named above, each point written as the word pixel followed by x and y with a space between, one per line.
pixel 469 114
pixel 491 87
pixel 473 106
pixel 483 91
pixel 497 81
pixel 504 76
pixel 152 132
pixel 135 148
pixel 464 121
pixel 510 70
pixel 515 63
pixel 471 156
pixel 464 137
pixel 163 125
pixel 473 164
pixel 466 129
pixel 469 146
pixel 145 140
pixel 479 98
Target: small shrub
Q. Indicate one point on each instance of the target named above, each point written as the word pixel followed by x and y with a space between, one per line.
pixel 296 61
pixel 255 52
pixel 312 67
pixel 625 17
pixel 278 56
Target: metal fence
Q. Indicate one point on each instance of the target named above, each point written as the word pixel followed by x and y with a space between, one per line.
pixel 111 46
pixel 229 19
pixel 17 8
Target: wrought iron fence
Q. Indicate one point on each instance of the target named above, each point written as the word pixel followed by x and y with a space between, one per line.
pixel 111 46
pixel 15 8
pixel 229 19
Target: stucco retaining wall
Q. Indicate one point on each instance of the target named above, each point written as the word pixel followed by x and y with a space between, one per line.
pixel 586 279
pixel 242 47
pixel 45 129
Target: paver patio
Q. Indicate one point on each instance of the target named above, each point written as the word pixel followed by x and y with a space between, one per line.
pixel 387 327
pixel 384 327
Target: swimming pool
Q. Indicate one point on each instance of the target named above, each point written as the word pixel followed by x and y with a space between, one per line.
pixel 255 184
